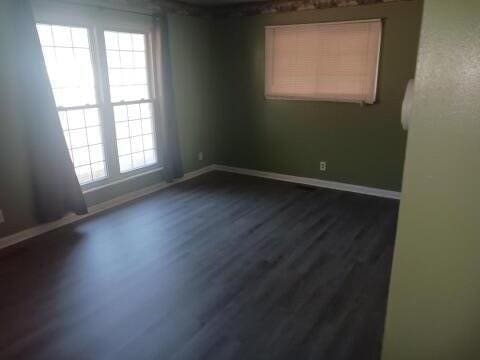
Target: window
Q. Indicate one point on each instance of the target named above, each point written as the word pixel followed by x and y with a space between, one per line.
pixel 127 71
pixel 101 84
pixel 327 61
pixel 68 58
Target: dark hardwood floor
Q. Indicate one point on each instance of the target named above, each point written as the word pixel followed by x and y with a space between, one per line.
pixel 219 267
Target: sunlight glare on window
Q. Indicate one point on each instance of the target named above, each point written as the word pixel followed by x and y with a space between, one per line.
pixel 68 60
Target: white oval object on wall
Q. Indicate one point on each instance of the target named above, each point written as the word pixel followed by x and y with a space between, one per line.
pixel 407 104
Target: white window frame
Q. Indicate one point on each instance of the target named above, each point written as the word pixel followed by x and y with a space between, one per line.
pixel 97 21
pixel 268 67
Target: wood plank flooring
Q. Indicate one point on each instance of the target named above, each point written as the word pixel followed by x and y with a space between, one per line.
pixel 219 267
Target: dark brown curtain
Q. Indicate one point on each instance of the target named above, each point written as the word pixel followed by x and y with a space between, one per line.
pixel 55 185
pixel 165 104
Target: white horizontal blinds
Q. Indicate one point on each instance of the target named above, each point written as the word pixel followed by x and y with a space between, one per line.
pixel 334 61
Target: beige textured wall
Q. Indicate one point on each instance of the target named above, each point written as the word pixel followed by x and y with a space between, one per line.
pixel 434 304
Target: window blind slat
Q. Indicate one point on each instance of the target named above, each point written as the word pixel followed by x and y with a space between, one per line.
pixel 334 61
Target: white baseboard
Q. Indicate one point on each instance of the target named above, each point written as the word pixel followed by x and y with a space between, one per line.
pixel 43 228
pixel 95 209
pixel 313 182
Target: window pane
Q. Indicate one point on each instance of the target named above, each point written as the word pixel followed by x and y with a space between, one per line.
pixel 123 147
pixel 80 37
pixel 133 111
pixel 127 69
pixel 125 163
pixel 91 117
pixel 84 174
pixel 96 153
pixel 98 170
pixel 120 113
pixel 94 135
pixel 78 138
pixel 138 42
pixel 76 119
pixel 138 160
pixel 122 130
pixel 67 55
pixel 125 41
pixel 150 157
pixel 113 58
pixel 81 156
pixel 135 139
pixel 137 144
pixel 111 40
pixel 45 34
pixel 62 36
pixel 84 141
pixel 148 142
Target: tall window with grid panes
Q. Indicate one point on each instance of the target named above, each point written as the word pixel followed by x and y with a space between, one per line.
pixel 93 96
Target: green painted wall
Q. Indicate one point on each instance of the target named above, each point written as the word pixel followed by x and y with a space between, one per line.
pixel 363 145
pixel 191 50
pixel 195 97
pixel 434 304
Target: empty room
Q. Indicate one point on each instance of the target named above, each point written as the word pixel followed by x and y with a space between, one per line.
pixel 239 179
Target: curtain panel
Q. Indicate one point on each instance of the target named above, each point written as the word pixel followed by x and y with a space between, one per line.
pixel 165 104
pixel 55 186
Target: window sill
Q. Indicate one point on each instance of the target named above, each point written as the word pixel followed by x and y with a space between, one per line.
pixel 124 178
pixel 318 99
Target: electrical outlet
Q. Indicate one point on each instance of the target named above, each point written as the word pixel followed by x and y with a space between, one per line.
pixel 2 219
pixel 323 166
pixel 200 156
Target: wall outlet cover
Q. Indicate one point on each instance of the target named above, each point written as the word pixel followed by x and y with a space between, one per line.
pixel 323 166
pixel 2 218
pixel 200 156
